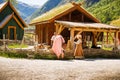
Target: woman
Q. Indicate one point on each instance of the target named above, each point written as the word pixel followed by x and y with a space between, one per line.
pixel 78 53
pixel 57 46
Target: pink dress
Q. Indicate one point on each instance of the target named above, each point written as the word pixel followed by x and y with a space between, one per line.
pixel 57 45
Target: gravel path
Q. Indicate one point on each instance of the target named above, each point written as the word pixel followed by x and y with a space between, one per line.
pixel 88 69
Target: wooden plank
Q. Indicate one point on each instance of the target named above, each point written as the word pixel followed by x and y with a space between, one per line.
pixel 47 40
pixel 82 17
pixel 70 17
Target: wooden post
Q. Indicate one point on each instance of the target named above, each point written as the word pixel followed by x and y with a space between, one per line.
pixel 72 38
pixel 116 40
pixel 107 37
pixel 110 34
pixel 94 41
pixel 41 34
pixel 4 42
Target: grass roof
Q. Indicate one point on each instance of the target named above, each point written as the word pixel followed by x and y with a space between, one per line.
pixel 52 13
pixel 116 22
pixel 61 10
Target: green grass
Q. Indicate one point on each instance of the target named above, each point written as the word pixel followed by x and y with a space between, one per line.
pixel 15 45
pixel 110 49
pixel 36 55
pixel 12 54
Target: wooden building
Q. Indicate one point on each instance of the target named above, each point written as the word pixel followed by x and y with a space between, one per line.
pixel 11 24
pixel 72 12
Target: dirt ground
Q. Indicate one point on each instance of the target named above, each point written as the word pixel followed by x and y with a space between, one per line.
pixel 87 69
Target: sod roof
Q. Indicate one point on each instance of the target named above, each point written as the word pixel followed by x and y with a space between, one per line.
pixel 58 11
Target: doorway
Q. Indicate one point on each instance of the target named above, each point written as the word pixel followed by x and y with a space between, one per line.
pixel 12 32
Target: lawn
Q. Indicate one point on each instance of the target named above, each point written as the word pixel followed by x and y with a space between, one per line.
pixel 16 45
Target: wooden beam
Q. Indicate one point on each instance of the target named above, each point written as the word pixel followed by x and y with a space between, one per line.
pixel 18 22
pixel 12 7
pixel 61 28
pixel 97 30
pixel 78 33
pixel 98 35
pixel 57 27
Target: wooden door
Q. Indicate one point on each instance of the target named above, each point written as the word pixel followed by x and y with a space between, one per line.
pixel 12 32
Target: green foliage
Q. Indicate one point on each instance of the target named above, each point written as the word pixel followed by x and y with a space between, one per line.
pixel 106 10
pixel 33 55
pixel 116 22
pixel 16 45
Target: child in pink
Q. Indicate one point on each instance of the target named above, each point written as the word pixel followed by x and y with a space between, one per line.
pixel 57 46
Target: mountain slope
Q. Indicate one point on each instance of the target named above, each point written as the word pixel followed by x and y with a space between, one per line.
pixel 50 4
pixel 106 10
pixel 24 10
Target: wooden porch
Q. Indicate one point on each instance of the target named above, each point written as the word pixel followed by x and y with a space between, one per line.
pixel 95 28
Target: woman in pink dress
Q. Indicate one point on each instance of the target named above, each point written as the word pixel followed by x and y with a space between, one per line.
pixel 57 46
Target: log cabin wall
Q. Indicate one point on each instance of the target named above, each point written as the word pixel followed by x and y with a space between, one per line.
pixel 119 37
pixel 45 32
